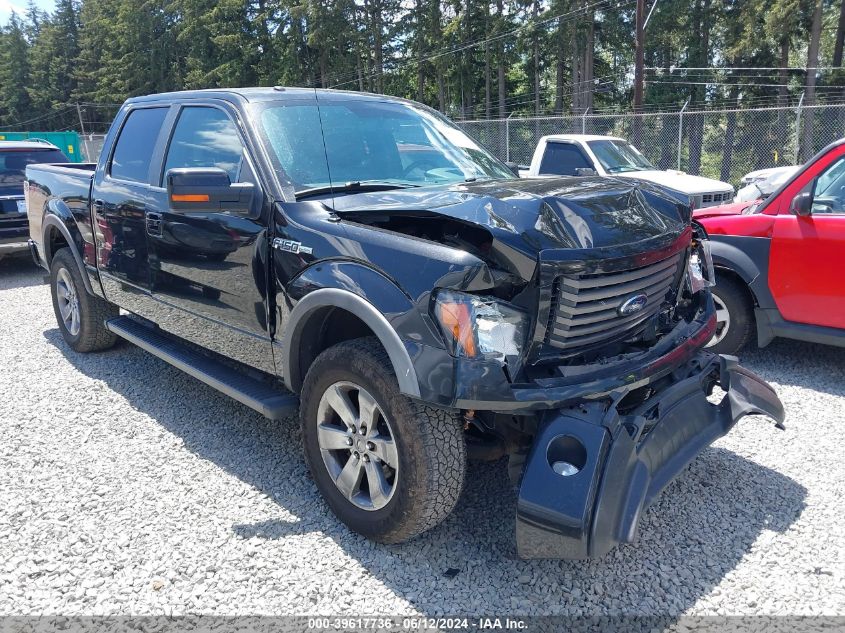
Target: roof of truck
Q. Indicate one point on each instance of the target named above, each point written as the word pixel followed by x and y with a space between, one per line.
pixel 277 93
pixel 580 137
pixel 34 144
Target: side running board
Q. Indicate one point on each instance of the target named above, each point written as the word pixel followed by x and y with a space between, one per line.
pixel 262 397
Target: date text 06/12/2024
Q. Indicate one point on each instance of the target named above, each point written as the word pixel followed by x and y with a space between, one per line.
pixel 411 623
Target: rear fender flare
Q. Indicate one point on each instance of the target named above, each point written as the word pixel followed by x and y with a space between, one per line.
pixel 53 221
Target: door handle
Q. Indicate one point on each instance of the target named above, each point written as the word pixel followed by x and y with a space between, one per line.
pixel 99 205
pixel 154 223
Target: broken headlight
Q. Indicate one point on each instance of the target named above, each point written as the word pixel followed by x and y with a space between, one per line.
pixel 480 326
pixel 700 271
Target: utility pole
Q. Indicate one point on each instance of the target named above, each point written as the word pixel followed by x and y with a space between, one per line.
pixel 82 130
pixel 639 63
pixel 81 123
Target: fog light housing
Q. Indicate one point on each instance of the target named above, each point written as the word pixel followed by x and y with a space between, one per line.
pixel 567 455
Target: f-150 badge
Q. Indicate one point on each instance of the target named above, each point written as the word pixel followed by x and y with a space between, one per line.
pixel 289 246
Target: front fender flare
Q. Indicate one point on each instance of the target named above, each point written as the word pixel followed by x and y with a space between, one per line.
pixel 748 257
pixel 367 312
pixel 50 221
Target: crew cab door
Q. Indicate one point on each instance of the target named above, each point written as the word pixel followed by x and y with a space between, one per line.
pixel 208 238
pixel 120 197
pixel 805 274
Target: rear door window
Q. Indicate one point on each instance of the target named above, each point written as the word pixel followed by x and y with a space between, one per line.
pixel 562 159
pixel 136 144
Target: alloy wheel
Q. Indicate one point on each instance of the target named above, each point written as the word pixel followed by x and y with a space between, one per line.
pixel 723 322
pixel 357 445
pixel 68 300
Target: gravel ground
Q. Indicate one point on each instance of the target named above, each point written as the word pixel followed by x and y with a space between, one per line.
pixel 127 487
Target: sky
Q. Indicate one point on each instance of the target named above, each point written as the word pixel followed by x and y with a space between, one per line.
pixel 19 6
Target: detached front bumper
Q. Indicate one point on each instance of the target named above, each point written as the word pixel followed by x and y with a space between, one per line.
pixel 624 461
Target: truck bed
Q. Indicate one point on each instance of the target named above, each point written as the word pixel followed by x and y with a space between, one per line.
pixel 74 168
pixel 70 185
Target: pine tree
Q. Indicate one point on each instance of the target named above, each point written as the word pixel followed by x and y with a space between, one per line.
pixel 15 104
pixel 53 59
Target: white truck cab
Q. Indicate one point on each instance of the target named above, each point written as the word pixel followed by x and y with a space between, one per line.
pixel 586 154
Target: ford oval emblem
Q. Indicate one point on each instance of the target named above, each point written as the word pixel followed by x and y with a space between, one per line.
pixel 632 305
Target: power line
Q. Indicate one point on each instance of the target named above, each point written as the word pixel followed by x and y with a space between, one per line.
pixel 463 47
pixel 672 69
pixel 727 84
pixel 551 91
pixel 38 118
pixel 650 108
pixel 753 75
pixel 100 105
pixel 761 106
pixel 528 98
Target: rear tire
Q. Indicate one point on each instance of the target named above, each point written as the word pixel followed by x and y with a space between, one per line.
pixel 389 479
pixel 81 316
pixel 734 316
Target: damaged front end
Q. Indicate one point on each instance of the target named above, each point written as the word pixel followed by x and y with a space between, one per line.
pixel 577 348
pixel 593 468
pixel 596 464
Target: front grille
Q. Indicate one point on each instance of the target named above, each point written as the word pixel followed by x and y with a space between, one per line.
pixel 709 199
pixel 586 308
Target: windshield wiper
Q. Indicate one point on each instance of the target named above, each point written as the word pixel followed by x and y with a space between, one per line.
pixel 621 169
pixel 354 186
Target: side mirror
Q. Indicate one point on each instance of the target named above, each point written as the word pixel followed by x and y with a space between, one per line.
pixel 514 167
pixel 802 204
pixel 205 189
pixel 585 171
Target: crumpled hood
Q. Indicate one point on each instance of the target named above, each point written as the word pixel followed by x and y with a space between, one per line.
pixel 532 215
pixel 734 208
pixel 679 181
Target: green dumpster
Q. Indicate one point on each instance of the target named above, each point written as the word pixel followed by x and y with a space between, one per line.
pixel 68 142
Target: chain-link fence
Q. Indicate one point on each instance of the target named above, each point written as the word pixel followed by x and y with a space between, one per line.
pixel 91 146
pixel 722 144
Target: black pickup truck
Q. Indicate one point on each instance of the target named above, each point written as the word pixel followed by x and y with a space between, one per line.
pixel 360 259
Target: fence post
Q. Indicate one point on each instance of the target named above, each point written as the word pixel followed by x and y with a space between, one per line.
pixel 508 138
pixel 584 121
pixel 82 130
pixel 681 131
pixel 798 129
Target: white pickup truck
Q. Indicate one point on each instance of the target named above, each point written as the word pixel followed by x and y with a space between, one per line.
pixel 586 155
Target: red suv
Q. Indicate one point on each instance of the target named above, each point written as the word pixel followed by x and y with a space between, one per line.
pixel 779 263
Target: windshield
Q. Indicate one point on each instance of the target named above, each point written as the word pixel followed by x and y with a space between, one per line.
pixel 13 164
pixel 618 156
pixel 371 142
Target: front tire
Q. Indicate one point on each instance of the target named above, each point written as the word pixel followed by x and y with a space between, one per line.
pixel 80 315
pixel 388 467
pixel 734 316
